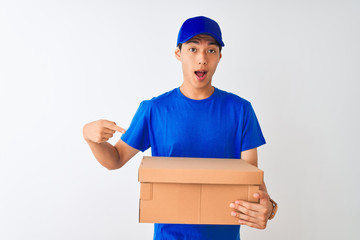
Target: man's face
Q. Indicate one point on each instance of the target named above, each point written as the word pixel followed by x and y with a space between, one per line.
pixel 199 58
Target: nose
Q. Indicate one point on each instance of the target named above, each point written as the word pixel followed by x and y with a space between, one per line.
pixel 202 59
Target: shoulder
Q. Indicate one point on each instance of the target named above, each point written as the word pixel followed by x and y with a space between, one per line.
pixel 231 98
pixel 160 100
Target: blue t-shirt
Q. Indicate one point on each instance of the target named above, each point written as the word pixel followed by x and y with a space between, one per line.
pixel 220 126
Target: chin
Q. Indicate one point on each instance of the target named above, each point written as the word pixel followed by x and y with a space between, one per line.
pixel 202 85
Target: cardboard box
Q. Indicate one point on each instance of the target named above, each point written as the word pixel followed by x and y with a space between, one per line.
pixel 194 190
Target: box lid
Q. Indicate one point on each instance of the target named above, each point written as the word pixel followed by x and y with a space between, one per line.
pixel 199 170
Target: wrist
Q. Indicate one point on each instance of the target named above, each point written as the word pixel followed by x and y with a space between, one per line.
pixel 274 209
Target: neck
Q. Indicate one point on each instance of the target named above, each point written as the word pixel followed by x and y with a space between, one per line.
pixel 197 94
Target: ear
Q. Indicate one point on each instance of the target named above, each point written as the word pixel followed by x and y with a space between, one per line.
pixel 178 53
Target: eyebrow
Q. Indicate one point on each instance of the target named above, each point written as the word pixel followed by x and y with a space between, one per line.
pixel 197 42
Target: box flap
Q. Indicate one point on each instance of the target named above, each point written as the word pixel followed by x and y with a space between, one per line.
pixel 199 170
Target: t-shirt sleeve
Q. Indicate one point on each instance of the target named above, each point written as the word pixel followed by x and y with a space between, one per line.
pixel 252 136
pixel 137 135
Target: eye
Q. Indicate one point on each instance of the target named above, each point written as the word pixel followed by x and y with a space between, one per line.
pixel 211 51
pixel 192 49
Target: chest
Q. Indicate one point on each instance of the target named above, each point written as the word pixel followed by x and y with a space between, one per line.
pixel 193 128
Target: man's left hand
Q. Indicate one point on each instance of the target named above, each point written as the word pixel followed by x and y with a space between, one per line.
pixel 253 215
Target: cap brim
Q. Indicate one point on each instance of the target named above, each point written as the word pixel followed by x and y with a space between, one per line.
pixel 206 33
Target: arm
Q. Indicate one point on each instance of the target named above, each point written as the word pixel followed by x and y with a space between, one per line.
pixel 254 215
pixel 97 133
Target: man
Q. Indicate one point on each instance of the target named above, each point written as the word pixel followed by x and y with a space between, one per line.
pixel 194 120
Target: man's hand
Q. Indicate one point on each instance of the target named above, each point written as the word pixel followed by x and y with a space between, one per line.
pixel 100 131
pixel 253 215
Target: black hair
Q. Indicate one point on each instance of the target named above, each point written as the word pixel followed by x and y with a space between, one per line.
pixel 218 44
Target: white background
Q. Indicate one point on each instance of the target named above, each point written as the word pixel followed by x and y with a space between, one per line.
pixel 66 63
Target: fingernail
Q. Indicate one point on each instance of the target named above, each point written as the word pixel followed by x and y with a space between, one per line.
pixel 237 202
pixel 232 205
pixel 233 214
pixel 256 195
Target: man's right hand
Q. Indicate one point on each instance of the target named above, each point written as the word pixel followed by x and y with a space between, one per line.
pixel 100 131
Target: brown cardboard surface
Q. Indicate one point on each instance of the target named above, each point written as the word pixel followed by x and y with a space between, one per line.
pixel 198 170
pixel 194 190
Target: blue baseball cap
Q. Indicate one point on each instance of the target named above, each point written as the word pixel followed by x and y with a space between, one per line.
pixel 199 25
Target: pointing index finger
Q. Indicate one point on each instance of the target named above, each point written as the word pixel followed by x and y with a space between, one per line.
pixel 115 127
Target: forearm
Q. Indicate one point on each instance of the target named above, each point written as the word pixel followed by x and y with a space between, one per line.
pixel 106 154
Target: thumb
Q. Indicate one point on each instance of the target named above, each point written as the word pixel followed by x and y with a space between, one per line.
pixel 263 196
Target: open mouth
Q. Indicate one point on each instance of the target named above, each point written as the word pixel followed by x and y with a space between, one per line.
pixel 200 75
